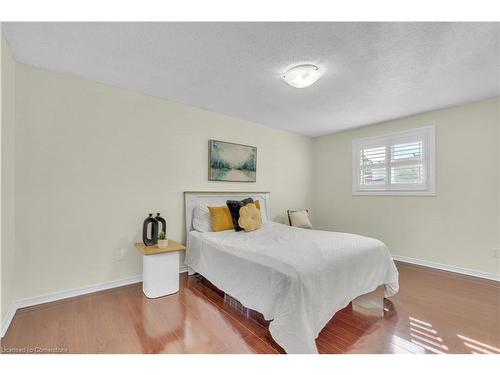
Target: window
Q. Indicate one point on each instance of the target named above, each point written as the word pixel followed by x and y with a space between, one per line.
pixel 395 164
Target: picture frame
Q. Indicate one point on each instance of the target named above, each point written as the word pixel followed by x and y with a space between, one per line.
pixel 231 162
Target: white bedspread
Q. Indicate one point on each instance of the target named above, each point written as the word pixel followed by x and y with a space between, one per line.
pixel 298 278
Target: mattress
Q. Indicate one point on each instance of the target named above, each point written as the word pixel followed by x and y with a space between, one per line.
pixel 298 278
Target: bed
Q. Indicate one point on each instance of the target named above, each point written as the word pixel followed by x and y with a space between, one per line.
pixel 296 278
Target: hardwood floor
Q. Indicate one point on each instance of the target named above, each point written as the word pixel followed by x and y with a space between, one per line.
pixel 434 312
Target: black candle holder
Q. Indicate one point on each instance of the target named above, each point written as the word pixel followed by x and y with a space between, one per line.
pixel 162 224
pixel 153 240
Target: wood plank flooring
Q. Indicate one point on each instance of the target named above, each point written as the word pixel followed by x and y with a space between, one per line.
pixel 434 312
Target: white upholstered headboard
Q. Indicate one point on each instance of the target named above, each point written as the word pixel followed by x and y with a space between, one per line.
pixel 195 198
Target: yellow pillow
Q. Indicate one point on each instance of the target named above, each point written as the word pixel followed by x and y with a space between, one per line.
pixel 221 218
pixel 250 218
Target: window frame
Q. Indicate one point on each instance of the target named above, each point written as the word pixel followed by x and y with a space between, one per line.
pixel 426 133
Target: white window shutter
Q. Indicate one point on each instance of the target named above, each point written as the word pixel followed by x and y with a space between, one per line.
pixel 400 163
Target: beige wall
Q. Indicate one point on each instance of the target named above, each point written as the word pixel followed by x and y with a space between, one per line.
pixel 7 185
pixel 92 161
pixel 459 226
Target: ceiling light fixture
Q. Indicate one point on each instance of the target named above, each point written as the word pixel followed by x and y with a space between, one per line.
pixel 301 76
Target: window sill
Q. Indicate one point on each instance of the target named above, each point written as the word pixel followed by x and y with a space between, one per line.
pixel 396 193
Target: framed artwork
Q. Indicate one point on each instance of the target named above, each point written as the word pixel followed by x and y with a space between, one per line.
pixel 231 162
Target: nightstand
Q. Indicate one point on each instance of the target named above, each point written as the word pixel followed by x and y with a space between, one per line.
pixel 160 268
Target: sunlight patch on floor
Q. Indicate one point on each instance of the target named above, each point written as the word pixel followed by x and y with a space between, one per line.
pixel 478 347
pixel 407 346
pixel 423 334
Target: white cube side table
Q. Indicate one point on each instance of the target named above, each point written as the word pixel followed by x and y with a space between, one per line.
pixel 160 269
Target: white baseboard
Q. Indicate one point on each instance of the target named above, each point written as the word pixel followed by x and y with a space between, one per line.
pixel 444 267
pixel 63 294
pixel 8 318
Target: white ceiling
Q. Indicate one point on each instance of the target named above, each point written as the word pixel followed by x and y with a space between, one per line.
pixel 372 71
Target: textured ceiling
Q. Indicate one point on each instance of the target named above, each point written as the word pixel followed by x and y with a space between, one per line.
pixel 372 71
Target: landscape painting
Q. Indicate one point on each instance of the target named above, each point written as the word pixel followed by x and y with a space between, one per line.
pixel 232 162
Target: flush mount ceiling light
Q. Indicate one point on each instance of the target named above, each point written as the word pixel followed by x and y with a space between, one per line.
pixel 301 76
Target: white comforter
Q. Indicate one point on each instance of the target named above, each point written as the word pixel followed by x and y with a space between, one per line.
pixel 298 278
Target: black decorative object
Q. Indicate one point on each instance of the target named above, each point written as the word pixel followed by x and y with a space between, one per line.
pixel 162 224
pixel 153 240
pixel 234 209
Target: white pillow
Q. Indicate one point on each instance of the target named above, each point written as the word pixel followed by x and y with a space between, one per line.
pixel 300 219
pixel 201 219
